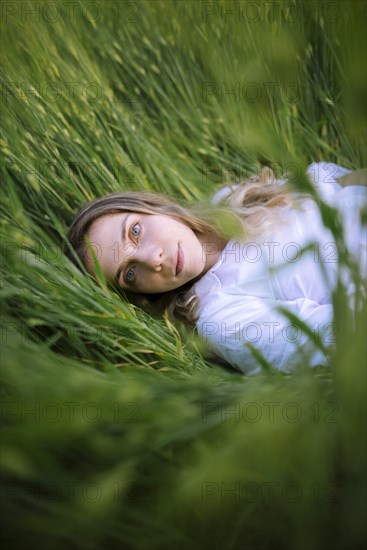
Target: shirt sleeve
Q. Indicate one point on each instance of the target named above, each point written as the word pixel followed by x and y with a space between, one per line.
pixel 324 175
pixel 234 321
pixel 350 201
pixel 223 193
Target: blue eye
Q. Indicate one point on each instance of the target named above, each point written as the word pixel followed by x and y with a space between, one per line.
pixel 129 277
pixel 133 228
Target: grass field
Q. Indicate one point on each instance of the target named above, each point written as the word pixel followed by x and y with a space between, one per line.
pixel 118 430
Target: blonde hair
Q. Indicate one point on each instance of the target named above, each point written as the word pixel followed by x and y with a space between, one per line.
pixel 255 205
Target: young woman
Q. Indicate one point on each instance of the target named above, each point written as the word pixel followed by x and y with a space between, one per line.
pixel 235 286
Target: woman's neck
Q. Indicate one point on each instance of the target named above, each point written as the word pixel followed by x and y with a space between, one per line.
pixel 213 246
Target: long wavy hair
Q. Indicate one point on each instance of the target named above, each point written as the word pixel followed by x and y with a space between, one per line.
pixel 254 206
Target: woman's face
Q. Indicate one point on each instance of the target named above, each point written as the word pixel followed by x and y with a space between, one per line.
pixel 148 253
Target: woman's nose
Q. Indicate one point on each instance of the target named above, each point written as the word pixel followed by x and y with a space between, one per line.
pixel 151 257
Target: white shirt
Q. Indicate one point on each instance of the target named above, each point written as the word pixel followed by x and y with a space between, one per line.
pixel 240 295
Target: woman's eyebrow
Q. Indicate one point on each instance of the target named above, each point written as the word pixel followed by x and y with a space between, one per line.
pixel 123 239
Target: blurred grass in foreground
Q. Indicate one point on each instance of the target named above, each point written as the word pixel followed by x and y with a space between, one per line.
pixel 117 432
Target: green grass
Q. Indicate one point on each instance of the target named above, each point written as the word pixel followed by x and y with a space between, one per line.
pixel 119 431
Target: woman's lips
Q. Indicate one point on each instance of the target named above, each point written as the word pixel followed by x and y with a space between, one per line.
pixel 180 260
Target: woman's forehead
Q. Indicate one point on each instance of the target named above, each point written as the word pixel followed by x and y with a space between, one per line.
pixel 112 216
